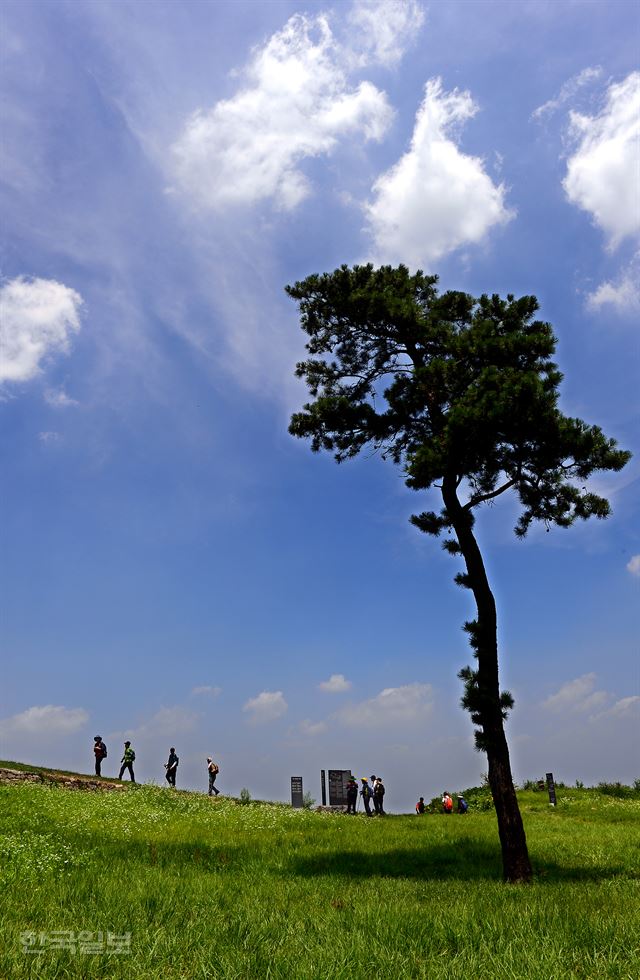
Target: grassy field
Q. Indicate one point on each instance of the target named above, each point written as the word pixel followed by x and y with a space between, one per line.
pixel 213 888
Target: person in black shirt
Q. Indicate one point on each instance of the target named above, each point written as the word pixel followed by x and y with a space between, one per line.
pixel 171 766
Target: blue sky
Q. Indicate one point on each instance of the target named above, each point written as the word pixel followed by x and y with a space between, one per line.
pixel 175 567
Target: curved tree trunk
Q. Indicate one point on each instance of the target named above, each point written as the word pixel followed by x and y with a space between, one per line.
pixel 515 856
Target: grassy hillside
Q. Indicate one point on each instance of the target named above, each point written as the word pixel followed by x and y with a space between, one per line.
pixel 213 888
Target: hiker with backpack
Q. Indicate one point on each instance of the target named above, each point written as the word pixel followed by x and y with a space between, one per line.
pixel 171 766
pixel 366 794
pixel 213 771
pixel 99 752
pixel 447 803
pixel 127 761
pixel 420 807
pixel 463 806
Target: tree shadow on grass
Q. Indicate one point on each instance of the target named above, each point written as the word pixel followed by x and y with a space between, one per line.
pixel 467 861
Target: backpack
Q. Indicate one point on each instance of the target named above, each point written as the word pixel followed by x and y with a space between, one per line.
pixel 463 806
pixel 104 751
pixel 132 756
pixel 214 769
pixel 448 804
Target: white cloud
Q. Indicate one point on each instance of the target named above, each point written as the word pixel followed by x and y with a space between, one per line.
pixel 312 728
pixel 49 437
pixel 568 91
pixel 296 104
pixel 602 173
pixel 623 294
pixel 435 198
pixel 45 720
pixel 381 31
pixel 624 708
pixel 59 398
pixel 37 317
pixel 336 684
pixel 396 705
pixel 165 723
pixel 633 565
pixel 267 706
pixel 577 696
pixel 207 689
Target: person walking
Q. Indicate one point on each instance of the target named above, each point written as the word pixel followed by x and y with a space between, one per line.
pixel 447 803
pixel 378 796
pixel 352 795
pixel 99 752
pixel 420 807
pixel 171 766
pixel 365 793
pixel 213 771
pixel 127 760
pixel 463 806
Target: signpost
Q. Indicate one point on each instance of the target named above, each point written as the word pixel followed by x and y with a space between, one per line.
pixel 296 791
pixel 323 787
pixel 551 786
pixel 338 779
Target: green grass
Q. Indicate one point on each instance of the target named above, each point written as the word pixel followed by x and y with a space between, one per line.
pixel 219 890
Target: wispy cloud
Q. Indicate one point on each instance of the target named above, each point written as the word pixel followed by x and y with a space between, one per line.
pixel 336 684
pixel 435 198
pixel 577 696
pixel 382 31
pixel 393 705
pixel 46 720
pixel 165 723
pixel 266 706
pixel 568 91
pixel 58 398
pixel 312 728
pixel 207 690
pixel 38 317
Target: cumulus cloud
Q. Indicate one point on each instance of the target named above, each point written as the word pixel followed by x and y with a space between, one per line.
pixel 267 706
pixel 435 198
pixel 633 565
pixel 296 104
pixel 37 318
pixel 381 31
pixel 622 294
pixel 46 720
pixel 577 696
pixel 336 684
pixel 568 91
pixel 602 173
pixel 397 705
pixel 207 689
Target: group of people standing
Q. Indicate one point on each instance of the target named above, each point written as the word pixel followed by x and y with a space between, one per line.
pixel 171 765
pixel 371 793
